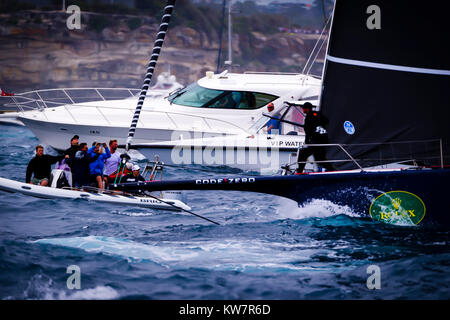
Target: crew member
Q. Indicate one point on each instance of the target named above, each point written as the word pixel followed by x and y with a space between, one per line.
pixel 96 167
pixel 273 124
pixel 80 166
pixel 74 147
pixel 315 133
pixel 40 167
pixel 135 176
pixel 121 173
pixel 112 163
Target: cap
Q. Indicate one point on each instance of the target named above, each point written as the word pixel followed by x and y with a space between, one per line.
pixel 129 165
pixel 136 167
pixel 75 137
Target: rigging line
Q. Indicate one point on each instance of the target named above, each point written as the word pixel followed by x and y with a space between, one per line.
pixel 315 46
pixel 185 210
pixel 315 57
pixel 179 208
pixel 220 36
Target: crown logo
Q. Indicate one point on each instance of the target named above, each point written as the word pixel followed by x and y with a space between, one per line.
pixel 396 203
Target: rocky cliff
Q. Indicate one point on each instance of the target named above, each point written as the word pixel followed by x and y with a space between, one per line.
pixel 37 50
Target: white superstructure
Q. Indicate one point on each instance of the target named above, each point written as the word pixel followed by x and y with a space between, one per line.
pixel 221 104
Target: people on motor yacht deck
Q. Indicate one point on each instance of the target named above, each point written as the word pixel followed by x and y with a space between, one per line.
pixel 40 167
pixel 96 167
pixel 273 124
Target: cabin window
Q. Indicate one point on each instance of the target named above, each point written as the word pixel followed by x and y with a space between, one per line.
pixel 194 96
pixel 197 96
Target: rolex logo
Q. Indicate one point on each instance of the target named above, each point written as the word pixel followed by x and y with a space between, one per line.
pixel 396 203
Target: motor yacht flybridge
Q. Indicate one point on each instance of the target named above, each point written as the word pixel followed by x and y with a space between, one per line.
pixel 217 104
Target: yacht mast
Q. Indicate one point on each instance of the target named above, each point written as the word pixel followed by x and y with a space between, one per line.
pixel 151 68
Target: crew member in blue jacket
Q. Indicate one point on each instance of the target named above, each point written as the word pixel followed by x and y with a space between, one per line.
pixel 96 167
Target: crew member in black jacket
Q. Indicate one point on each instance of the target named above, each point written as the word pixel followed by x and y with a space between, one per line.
pixel 79 164
pixel 40 167
pixel 315 133
pixel 74 148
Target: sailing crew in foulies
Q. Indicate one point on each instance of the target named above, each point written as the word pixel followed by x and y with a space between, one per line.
pixel 315 133
pixel 40 167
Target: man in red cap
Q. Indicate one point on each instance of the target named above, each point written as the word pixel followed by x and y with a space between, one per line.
pixel 273 124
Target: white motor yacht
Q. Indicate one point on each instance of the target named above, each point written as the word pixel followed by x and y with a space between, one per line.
pixel 215 105
pixel 13 106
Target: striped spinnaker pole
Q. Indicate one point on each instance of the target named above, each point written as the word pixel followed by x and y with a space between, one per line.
pixel 151 67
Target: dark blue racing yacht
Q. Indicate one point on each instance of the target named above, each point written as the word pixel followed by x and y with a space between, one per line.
pixel 384 91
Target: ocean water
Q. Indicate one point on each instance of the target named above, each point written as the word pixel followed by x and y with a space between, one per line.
pixel 265 248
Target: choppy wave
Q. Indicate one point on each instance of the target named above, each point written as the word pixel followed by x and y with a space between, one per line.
pixel 238 255
pixel 265 248
pixel 316 208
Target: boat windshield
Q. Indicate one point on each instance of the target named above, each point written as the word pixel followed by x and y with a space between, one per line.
pixel 200 97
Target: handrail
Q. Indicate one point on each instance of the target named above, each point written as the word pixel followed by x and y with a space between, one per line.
pixel 336 145
pixel 275 73
pixel 168 114
pixel 59 89
pixel 352 159
pixel 64 97
pixel 99 96
pixel 26 99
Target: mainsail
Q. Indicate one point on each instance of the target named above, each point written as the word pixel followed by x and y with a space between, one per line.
pixel 386 82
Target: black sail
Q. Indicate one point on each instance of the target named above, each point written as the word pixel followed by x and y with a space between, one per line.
pixel 386 81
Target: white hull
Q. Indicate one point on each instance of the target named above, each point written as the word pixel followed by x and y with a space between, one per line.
pixel 57 135
pixel 53 193
pixel 11 118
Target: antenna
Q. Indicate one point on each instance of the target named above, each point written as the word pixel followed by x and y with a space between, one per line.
pixel 229 62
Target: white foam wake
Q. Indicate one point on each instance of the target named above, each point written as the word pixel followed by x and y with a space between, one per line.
pixel 97 293
pixel 317 208
pixel 41 287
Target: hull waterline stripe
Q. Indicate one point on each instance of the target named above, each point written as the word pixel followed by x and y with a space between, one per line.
pixel 387 66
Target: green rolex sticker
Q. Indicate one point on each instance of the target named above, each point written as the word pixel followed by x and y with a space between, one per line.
pixel 398 207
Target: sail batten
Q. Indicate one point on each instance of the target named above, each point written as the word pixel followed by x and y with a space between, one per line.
pixel 387 66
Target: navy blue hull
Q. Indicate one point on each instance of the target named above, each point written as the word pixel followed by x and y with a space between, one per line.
pixel 356 190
